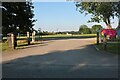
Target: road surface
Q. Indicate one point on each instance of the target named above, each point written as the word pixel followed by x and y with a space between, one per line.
pixel 68 58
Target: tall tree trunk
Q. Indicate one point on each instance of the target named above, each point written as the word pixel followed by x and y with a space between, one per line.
pixel 118 27
pixel 107 22
pixel 119 22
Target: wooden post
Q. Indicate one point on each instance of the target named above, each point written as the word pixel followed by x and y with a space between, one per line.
pixel 33 36
pixel 97 37
pixel 15 41
pixel 12 40
pixel 9 39
pixel 28 38
pixel 118 45
pixel 105 42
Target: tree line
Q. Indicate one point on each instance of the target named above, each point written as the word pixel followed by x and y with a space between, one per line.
pixel 83 29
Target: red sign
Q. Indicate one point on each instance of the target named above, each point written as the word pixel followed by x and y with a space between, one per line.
pixel 109 32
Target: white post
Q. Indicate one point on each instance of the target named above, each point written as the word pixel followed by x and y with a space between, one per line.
pixel 28 38
pixel 33 36
pixel 12 40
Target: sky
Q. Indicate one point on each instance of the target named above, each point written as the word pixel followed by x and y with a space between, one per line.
pixel 61 16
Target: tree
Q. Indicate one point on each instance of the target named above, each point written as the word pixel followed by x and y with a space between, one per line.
pixel 95 28
pixel 101 11
pixel 84 29
pixel 17 14
pixel 117 12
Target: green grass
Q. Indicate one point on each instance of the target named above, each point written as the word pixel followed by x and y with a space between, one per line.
pixel 111 47
pixel 68 36
pixel 4 47
pixel 63 35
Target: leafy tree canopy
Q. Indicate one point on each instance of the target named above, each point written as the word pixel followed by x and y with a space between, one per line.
pixel 101 11
pixel 17 15
pixel 84 29
pixel 96 28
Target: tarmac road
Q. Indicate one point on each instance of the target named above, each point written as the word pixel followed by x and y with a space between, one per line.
pixel 68 58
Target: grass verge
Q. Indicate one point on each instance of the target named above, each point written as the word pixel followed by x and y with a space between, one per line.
pixel 111 47
pixel 4 47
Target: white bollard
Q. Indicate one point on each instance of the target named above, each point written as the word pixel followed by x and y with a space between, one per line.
pixel 33 36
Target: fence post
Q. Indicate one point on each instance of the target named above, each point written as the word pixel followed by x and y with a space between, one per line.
pixel 15 41
pixel 97 37
pixel 33 36
pixel 118 44
pixel 105 42
pixel 12 41
pixel 28 38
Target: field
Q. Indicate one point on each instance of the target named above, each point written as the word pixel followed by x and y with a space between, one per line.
pixel 61 36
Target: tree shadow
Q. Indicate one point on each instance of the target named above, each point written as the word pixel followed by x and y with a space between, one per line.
pixel 36 44
pixel 77 63
pixel 29 46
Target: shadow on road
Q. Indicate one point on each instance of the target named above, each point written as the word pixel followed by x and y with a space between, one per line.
pixel 36 44
pixel 79 63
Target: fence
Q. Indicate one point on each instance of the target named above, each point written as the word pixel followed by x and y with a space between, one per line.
pixel 21 39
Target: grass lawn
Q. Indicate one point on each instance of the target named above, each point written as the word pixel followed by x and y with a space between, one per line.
pixel 63 35
pixel 111 47
pixel 59 36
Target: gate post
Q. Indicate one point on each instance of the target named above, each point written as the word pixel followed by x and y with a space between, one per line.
pixel 28 38
pixel 33 36
pixel 105 42
pixel 97 37
pixel 12 40
pixel 15 41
